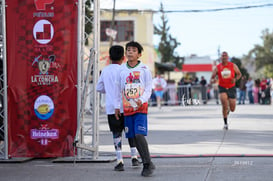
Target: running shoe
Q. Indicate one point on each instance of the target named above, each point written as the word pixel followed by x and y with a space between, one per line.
pixel 225 127
pixel 135 162
pixel 119 167
pixel 148 169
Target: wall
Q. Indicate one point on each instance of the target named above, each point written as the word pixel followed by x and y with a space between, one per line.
pixel 143 33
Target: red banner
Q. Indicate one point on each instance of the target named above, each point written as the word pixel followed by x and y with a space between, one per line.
pixel 42 77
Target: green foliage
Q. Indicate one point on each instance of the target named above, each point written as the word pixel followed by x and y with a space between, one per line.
pixel 243 70
pixel 268 71
pixel 263 54
pixel 168 43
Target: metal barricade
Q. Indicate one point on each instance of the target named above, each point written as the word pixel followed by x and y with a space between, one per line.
pixel 183 95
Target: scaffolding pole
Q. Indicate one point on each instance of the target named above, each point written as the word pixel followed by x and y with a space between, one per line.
pixel 5 80
pixel 83 82
pixel 95 78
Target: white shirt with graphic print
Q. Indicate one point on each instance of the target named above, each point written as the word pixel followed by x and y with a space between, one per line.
pixel 134 83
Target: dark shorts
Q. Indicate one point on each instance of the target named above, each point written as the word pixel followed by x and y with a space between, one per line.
pixel 231 92
pixel 114 124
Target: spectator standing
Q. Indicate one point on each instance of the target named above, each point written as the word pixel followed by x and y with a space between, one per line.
pixel 242 88
pixel 203 84
pixel 256 91
pixel 159 85
pixel 182 90
pixel 172 92
pixel 267 94
pixel 263 86
pixel 249 88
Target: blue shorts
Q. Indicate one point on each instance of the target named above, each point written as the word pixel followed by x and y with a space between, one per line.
pixel 159 94
pixel 135 124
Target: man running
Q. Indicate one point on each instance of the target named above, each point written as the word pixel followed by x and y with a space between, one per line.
pixel 228 73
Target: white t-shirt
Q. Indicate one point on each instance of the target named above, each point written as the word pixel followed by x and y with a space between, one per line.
pixel 106 84
pixel 159 84
pixel 134 83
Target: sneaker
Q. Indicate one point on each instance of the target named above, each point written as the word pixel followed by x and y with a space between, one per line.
pixel 148 169
pixel 135 162
pixel 152 166
pixel 225 127
pixel 119 167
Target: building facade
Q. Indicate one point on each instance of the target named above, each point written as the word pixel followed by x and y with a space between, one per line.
pixel 128 25
pixel 198 66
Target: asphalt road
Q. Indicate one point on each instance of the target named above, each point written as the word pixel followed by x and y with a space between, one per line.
pixel 186 143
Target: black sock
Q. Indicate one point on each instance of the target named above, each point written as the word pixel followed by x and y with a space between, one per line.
pixel 132 142
pixel 225 120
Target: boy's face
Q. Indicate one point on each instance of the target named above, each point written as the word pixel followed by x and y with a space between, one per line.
pixel 132 54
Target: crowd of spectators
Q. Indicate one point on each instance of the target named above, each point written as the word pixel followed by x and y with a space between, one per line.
pixel 194 91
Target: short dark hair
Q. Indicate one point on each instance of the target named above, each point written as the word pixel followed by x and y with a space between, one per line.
pixel 134 44
pixel 116 52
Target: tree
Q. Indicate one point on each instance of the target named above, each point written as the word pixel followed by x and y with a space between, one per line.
pixel 263 54
pixel 242 69
pixel 168 43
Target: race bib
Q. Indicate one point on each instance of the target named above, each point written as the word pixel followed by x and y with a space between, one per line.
pixel 226 73
pixel 132 91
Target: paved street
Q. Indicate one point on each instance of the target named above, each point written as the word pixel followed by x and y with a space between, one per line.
pixel 186 143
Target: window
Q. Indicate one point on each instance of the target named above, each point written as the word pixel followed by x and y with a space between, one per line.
pixel 125 30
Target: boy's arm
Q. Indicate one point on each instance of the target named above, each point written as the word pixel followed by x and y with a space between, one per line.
pixel 100 85
pixel 148 87
pixel 117 96
pixel 164 83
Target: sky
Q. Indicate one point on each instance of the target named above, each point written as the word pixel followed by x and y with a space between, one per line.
pixel 204 33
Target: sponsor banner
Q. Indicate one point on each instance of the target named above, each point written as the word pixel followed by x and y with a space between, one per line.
pixel 42 77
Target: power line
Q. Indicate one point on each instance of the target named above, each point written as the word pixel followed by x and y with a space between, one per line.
pixel 217 9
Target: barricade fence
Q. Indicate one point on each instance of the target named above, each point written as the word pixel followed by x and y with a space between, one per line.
pixel 183 95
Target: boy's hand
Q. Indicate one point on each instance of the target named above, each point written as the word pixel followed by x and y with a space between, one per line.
pixel 139 103
pixel 117 114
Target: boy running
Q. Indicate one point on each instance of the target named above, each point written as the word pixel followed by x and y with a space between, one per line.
pixel 105 84
pixel 135 84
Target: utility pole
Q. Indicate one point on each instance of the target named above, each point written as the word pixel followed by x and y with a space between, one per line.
pixel 113 21
pixel 219 53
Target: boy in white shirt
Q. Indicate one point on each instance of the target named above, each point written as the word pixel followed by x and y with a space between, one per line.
pixel 135 84
pixel 106 84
